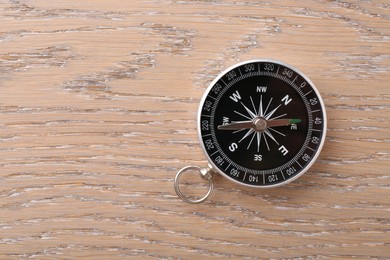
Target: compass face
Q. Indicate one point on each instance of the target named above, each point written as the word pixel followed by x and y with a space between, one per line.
pixel 261 123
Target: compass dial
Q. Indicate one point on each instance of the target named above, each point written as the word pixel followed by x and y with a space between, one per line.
pixel 261 123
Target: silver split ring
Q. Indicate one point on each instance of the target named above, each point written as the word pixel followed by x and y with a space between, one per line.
pixel 205 174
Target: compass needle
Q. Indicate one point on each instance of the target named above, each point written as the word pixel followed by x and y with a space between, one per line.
pixel 236 125
pixel 295 121
pixel 283 122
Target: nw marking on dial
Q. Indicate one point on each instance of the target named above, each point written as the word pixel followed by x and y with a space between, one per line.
pixel 260 122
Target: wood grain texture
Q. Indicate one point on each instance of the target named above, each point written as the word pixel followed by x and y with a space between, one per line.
pixel 98 103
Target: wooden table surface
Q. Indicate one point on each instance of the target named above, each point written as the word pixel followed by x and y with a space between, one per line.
pixel 98 105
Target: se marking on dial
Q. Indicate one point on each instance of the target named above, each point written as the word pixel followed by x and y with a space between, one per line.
pixel 261 123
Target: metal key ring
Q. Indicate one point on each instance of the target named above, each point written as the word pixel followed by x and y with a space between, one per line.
pixel 205 174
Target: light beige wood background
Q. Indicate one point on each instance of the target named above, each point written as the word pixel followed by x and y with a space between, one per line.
pixel 98 103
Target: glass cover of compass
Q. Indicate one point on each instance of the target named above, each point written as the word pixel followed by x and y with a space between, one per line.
pixel 261 123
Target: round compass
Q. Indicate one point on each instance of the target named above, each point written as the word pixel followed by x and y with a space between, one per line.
pixel 261 123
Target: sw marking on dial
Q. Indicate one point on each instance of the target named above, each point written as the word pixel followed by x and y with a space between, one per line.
pixel 262 123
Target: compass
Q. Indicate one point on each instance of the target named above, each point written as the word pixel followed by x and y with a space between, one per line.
pixel 261 123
